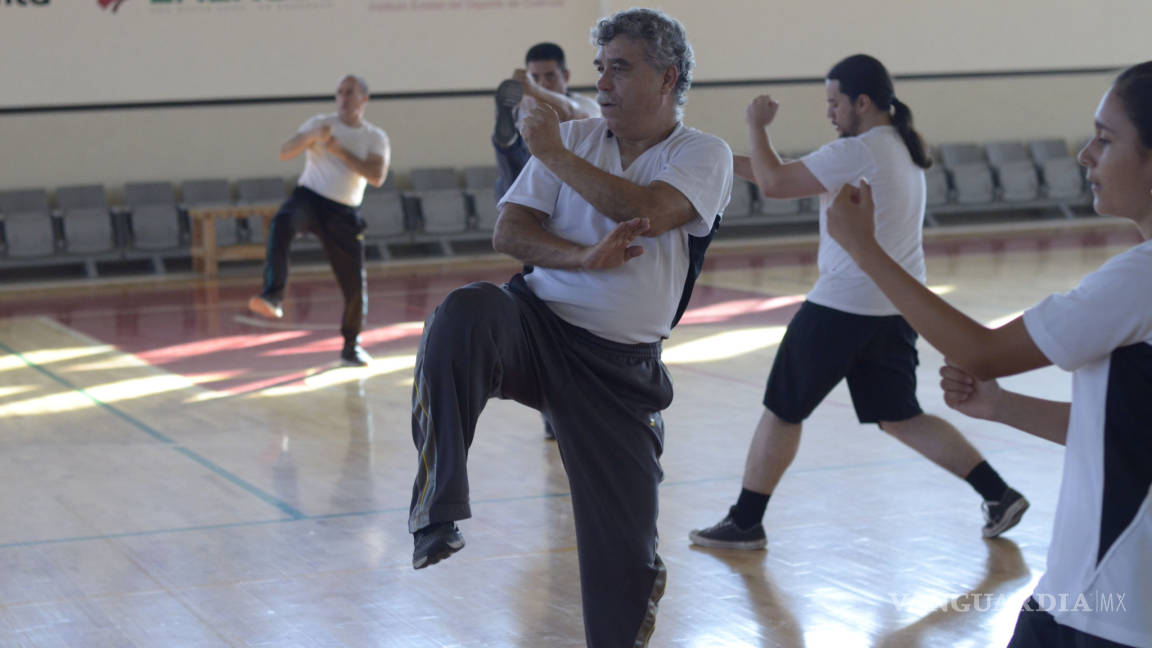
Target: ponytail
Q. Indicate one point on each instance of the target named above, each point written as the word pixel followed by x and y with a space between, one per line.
pixel 861 74
pixel 902 120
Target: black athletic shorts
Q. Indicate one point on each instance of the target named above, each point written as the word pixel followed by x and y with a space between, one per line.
pixel 877 354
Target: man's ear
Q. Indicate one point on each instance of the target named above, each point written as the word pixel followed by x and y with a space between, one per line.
pixel 671 75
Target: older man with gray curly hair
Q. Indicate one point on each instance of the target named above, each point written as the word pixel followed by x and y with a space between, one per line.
pixel 613 216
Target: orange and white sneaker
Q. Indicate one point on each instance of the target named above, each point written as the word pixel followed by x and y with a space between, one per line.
pixel 265 307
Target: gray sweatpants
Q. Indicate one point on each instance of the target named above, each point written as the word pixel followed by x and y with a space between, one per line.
pixel 604 400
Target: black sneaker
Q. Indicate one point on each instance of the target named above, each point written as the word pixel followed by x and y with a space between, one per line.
pixel 354 355
pixel 508 96
pixel 1004 514
pixel 436 542
pixel 726 535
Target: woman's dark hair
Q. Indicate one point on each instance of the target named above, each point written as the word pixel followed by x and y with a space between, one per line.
pixel 861 74
pixel 1134 87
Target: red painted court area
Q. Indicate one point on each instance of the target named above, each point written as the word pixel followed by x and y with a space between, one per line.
pixel 205 333
pixel 202 330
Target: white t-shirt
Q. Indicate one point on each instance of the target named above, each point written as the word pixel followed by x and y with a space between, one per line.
pixel 1102 331
pixel 327 174
pixel 635 302
pixel 586 104
pixel 879 156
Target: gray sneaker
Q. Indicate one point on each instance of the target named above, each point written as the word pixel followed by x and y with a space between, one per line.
pixel 435 542
pixel 726 535
pixel 508 96
pixel 1004 514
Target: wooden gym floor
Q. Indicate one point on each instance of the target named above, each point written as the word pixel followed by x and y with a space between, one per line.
pixel 174 472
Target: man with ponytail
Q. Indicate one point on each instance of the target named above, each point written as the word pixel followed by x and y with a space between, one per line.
pixel 847 328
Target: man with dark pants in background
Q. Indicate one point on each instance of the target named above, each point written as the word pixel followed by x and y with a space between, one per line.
pixel 344 153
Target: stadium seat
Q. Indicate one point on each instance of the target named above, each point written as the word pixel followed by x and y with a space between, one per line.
pixel 936 185
pixel 480 183
pixel 971 176
pixel 383 210
pixel 27 222
pixel 442 205
pixel 212 194
pixel 86 218
pixel 1063 176
pixel 1015 170
pixel 154 217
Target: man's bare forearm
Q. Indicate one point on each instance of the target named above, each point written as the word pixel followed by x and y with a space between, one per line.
pixel 1046 419
pixel 613 196
pixel 563 105
pixel 765 163
pixel 976 349
pixel 297 145
pixel 520 234
pixel 374 169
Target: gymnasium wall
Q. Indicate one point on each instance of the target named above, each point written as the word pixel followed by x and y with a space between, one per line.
pixel 117 90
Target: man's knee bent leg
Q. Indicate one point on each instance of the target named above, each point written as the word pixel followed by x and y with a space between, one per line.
pixel 475 302
pixel 903 426
pixel 464 312
pixel 478 294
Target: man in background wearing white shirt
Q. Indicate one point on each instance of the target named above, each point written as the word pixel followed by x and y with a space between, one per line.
pixel 344 153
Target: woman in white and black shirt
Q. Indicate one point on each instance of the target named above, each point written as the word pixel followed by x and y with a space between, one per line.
pixel 1098 587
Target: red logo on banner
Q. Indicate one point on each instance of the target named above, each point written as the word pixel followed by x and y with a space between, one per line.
pixel 114 4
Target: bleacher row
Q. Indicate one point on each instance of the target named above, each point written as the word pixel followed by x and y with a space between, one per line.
pixel 151 223
pixel 439 211
pixel 1009 177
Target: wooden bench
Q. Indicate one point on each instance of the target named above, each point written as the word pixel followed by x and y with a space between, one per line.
pixel 206 254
